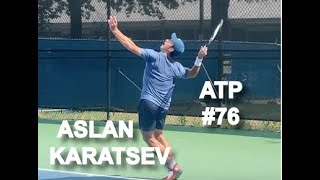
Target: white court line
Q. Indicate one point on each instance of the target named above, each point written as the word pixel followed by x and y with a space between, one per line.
pixel 86 174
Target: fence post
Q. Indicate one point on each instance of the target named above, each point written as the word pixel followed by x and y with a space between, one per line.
pixel 226 71
pixel 201 20
pixel 108 63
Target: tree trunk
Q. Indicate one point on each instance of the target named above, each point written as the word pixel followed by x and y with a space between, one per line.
pixel 75 18
pixel 219 10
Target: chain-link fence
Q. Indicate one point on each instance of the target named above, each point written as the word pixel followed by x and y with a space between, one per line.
pixel 244 20
pixel 83 79
pixel 76 80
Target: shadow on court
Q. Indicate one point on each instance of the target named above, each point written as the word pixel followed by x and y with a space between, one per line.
pixel 86 178
pixel 60 175
pixel 95 178
pixel 215 149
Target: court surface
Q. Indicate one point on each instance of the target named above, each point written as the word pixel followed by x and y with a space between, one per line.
pixel 207 154
pixel 49 174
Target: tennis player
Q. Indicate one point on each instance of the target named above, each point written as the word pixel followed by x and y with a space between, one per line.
pixel 158 83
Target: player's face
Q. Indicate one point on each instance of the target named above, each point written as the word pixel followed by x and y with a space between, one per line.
pixel 167 44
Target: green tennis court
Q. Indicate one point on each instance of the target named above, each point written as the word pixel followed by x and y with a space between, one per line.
pixel 203 153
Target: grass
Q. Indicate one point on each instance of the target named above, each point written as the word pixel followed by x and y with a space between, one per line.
pixel 273 126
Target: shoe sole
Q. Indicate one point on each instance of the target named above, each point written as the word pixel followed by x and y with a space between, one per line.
pixel 179 174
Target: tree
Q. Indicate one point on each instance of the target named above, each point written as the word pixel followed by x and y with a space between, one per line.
pixel 219 10
pixel 78 9
pixel 48 9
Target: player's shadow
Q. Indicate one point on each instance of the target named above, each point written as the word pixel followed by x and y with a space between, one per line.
pixel 99 178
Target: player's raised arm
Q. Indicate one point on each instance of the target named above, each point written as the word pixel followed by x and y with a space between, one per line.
pixel 124 40
pixel 193 72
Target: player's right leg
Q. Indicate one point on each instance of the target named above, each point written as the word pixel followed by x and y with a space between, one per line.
pixel 160 137
pixel 147 112
pixel 151 120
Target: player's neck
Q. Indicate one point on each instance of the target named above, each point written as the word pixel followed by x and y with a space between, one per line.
pixel 169 57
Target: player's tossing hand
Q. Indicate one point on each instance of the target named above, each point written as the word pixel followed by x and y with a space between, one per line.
pixel 113 23
pixel 202 52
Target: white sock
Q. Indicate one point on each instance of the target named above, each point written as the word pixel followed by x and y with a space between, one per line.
pixel 170 162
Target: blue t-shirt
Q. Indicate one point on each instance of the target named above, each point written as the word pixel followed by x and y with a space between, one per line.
pixel 158 77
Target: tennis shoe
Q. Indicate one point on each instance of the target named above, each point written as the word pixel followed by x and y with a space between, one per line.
pixel 173 173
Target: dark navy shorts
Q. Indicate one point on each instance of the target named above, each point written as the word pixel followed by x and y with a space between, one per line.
pixel 151 116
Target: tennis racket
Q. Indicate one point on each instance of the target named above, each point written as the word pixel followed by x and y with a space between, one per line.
pixel 214 34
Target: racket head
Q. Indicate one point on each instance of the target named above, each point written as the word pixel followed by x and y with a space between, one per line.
pixel 215 32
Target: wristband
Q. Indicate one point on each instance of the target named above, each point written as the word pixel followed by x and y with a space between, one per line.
pixel 198 62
